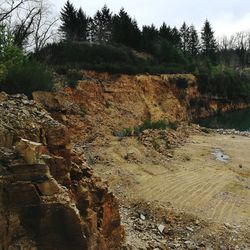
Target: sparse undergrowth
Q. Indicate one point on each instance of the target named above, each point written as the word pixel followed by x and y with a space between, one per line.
pixel 148 124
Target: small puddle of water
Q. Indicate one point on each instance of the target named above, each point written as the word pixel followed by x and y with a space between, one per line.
pixel 220 156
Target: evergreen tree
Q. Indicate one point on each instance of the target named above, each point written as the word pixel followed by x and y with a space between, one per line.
pixel 175 37
pixel 185 36
pixel 193 42
pixel 168 53
pixel 208 42
pixel 150 37
pixel 82 25
pixel 69 21
pixel 165 32
pixel 101 25
pixel 125 30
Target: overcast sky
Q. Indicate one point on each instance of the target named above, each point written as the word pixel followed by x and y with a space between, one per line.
pixel 226 16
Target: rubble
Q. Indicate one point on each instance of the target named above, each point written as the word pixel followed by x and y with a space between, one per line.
pixel 179 233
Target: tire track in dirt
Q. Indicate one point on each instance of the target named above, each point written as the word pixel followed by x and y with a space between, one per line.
pixel 202 185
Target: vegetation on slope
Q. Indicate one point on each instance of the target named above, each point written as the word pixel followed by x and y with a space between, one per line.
pixel 114 43
pixel 19 74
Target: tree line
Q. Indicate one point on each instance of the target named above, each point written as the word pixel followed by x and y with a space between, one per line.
pixel 106 27
pixel 32 24
pixel 33 37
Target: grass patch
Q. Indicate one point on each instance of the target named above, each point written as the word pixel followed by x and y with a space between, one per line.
pixel 83 112
pixel 148 124
pixel 205 130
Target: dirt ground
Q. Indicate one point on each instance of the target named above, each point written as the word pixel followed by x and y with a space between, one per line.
pixel 187 181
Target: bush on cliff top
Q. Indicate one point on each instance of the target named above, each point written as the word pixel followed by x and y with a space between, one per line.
pixel 17 73
pixel 26 78
pixel 223 82
pixel 110 58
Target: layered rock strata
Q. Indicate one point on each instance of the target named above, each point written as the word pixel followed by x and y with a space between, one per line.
pixel 49 198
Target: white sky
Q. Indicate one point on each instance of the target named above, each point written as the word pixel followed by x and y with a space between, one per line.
pixel 226 16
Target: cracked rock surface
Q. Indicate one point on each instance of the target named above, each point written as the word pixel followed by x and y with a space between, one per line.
pixel 49 197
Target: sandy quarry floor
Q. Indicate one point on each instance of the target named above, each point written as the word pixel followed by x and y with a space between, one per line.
pixel 190 181
pixel 201 185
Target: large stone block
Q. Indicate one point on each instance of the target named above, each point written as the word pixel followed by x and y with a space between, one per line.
pixel 30 151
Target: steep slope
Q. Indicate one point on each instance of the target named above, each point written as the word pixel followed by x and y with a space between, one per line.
pixel 49 198
pixel 105 103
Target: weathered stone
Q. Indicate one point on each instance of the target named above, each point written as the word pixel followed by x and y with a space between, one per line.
pixel 22 194
pixel 34 173
pixel 161 228
pixel 6 136
pixel 3 96
pixel 142 217
pixel 30 151
pixel 56 226
pixel 36 212
pixel 59 167
pixel 49 187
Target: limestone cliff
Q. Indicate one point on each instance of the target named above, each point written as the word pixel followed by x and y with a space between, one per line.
pixel 49 198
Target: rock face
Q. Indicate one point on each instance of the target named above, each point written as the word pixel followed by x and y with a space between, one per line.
pixel 49 198
pixel 104 103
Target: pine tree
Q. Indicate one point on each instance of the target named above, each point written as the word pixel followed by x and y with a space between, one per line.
pixel 165 32
pixel 82 24
pixel 185 36
pixel 125 30
pixel 69 22
pixel 193 42
pixel 101 25
pixel 208 42
pixel 175 38
pixel 150 36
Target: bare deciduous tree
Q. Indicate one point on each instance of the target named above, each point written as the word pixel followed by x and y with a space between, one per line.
pixel 30 21
pixel 43 26
pixel 241 47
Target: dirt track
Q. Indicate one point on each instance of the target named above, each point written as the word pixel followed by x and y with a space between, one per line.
pixel 192 181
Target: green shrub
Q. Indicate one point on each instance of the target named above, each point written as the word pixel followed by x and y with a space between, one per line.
pixel 205 130
pixel 83 112
pixel 17 73
pixel 173 125
pixel 73 76
pixel 224 82
pixel 78 53
pixel 181 82
pixel 124 133
pixel 12 56
pixel 26 78
pixel 3 73
pixel 168 53
pixel 148 124
pixel 110 58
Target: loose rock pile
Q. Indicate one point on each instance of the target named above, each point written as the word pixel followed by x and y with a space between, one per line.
pixel 161 229
pixel 233 132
